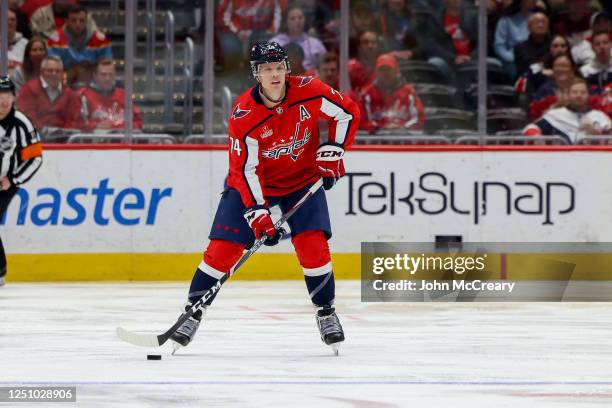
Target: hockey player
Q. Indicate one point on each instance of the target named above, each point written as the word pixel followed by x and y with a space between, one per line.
pixel 20 152
pixel 275 156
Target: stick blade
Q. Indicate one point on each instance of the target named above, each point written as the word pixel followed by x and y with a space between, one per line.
pixel 138 339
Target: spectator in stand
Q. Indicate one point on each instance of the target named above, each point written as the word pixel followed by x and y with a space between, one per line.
pixel 317 14
pixel 495 10
pixel 390 103
pixel 362 18
pixel 329 69
pixel 398 29
pixel 46 101
pixel 103 103
pixel 396 22
pixel 540 72
pixel 78 47
pixel 555 92
pixel 449 35
pixel 35 51
pixel 537 44
pixel 603 100
pixel 574 20
pixel 598 73
pixel 411 49
pixel 245 22
pixel 582 52
pixel 512 30
pixel 48 19
pixel 16 43
pixel 293 31
pixel 361 69
pixel 28 7
pixel 23 20
pixel 295 54
pixel 574 121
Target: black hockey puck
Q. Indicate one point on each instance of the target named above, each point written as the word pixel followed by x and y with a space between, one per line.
pixel 153 357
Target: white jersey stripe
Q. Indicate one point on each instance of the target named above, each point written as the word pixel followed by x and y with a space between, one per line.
pixel 27 170
pixel 29 126
pixel 250 170
pixel 342 118
pixel 322 270
pixel 210 271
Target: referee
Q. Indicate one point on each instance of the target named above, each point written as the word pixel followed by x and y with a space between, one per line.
pixel 20 153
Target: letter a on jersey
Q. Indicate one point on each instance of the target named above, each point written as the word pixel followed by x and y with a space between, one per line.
pixel 303 113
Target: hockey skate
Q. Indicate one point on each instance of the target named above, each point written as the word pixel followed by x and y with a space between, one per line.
pixel 330 327
pixel 187 331
pixel 2 281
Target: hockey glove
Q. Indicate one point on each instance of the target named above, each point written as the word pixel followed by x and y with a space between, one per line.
pixel 329 161
pixel 261 223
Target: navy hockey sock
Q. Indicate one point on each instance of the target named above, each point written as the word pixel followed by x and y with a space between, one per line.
pixel 200 283
pixel 322 289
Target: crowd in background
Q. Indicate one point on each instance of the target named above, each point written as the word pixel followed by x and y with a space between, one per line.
pixel 62 63
pixel 540 46
pixel 62 67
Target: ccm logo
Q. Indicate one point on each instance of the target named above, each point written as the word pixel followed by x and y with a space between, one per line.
pixel 329 154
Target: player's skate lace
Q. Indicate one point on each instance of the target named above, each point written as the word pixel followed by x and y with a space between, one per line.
pixel 329 325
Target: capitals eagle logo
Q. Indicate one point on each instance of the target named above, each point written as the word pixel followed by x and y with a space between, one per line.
pixel 239 113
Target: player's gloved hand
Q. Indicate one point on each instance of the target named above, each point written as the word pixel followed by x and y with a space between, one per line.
pixel 330 163
pixel 261 223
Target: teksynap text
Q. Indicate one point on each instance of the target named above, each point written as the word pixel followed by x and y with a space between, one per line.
pixel 433 194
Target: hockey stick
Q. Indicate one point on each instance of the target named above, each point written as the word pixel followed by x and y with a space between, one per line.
pixel 152 340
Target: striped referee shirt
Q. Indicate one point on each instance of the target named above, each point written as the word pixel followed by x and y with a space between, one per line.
pixel 20 148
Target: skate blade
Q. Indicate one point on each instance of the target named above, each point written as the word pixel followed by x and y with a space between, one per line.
pixel 175 347
pixel 335 348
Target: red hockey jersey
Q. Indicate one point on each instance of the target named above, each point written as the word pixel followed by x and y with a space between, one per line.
pixel 272 151
pixel 105 110
pixel 253 15
pixel 388 110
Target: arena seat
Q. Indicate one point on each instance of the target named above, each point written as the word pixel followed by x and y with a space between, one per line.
pixel 445 119
pixel 512 119
pixel 436 95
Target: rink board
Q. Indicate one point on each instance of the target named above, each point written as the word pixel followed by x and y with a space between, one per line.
pixel 144 214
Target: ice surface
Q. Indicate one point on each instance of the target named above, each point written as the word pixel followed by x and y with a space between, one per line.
pixel 259 347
